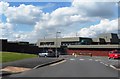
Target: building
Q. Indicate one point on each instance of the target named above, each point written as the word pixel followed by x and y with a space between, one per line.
pixel 100 45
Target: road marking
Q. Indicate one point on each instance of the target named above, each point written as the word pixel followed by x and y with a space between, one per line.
pixel 72 59
pixel 81 59
pixel 58 63
pixel 101 62
pixel 96 60
pixel 106 65
pixel 110 66
pixel 90 59
pixel 114 60
pixel 114 67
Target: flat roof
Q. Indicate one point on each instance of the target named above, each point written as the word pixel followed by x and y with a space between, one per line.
pixel 82 46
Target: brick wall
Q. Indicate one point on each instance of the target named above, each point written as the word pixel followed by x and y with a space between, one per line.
pixel 94 52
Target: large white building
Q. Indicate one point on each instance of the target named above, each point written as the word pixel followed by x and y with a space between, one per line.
pixel 97 46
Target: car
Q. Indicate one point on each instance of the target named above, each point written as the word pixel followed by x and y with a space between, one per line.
pixel 43 54
pixel 115 54
pixel 48 54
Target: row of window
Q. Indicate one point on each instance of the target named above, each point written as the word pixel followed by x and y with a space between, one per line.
pixel 65 43
pixel 75 43
pixel 46 43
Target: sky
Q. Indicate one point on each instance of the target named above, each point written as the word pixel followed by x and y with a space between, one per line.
pixel 30 21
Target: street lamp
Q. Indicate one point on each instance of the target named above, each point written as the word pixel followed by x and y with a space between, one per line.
pixel 57 42
pixel 17 38
pixel 44 45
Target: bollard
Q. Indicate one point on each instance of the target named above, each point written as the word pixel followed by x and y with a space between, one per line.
pixel 75 55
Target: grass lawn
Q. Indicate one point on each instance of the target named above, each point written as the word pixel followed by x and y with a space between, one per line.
pixel 12 56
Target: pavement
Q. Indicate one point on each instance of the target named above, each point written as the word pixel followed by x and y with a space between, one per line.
pixel 80 66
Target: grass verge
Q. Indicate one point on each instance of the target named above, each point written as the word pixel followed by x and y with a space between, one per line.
pixel 12 56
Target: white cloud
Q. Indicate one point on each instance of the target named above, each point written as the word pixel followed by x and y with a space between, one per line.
pixel 6 30
pixel 3 7
pixel 95 9
pixel 105 26
pixel 96 0
pixel 80 12
pixel 63 19
pixel 24 14
pixel 6 26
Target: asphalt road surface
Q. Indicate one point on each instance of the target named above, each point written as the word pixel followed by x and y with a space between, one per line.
pixel 80 66
pixel 29 63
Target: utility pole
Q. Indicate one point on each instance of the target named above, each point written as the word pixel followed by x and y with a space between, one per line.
pixel 76 34
pixel 57 43
pixel 44 45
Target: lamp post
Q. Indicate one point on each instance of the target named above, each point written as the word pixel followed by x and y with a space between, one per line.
pixel 17 38
pixel 57 43
pixel 44 45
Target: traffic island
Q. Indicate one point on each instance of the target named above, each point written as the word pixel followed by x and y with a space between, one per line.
pixel 12 70
pixel 46 64
pixel 9 70
pixel 117 66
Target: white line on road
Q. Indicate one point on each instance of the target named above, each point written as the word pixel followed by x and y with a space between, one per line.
pixel 101 62
pixel 90 59
pixel 58 63
pixel 114 67
pixel 104 64
pixel 110 66
pixel 81 59
pixel 72 59
pixel 113 60
pixel 97 60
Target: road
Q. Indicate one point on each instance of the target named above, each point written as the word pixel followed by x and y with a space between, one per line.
pixel 80 66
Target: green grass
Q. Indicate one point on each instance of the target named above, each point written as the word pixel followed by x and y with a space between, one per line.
pixel 12 56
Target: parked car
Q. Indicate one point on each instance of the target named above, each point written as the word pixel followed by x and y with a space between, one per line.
pixel 115 54
pixel 48 54
pixel 43 54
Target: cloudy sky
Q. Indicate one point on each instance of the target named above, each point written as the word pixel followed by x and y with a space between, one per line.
pixel 30 21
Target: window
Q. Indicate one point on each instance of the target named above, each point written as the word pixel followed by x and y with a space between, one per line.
pixel 46 43
pixel 70 43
